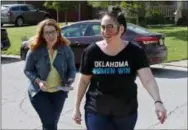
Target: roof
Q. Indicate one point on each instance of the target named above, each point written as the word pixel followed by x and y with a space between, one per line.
pixel 85 21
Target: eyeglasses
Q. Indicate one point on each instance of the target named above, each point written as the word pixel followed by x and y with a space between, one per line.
pixel 108 26
pixel 48 33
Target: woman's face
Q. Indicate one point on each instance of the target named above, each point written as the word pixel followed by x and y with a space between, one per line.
pixel 109 28
pixel 50 34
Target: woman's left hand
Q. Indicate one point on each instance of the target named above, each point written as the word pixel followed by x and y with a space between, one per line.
pixel 70 81
pixel 161 112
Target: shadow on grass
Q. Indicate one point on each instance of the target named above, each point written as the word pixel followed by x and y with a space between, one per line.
pixel 164 26
pixel 181 35
pixel 170 31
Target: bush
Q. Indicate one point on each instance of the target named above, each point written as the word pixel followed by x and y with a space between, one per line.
pixel 155 17
pixel 131 20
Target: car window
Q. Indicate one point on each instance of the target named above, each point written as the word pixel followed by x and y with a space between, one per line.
pixel 83 28
pixel 24 8
pixel 31 8
pixel 95 30
pixel 74 30
pixel 137 29
pixel 16 8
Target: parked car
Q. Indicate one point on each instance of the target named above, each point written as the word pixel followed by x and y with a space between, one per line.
pixel 5 42
pixel 83 33
pixel 20 14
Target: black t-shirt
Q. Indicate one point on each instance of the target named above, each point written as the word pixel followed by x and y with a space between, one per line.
pixel 112 90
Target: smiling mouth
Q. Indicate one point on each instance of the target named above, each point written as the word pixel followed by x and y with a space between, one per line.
pixel 108 37
pixel 51 40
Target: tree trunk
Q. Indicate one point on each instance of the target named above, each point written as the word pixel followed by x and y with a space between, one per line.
pixel 57 15
pixel 137 20
pixel 79 12
pixel 137 16
pixel 66 21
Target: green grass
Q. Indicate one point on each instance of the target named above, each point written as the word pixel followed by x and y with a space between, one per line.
pixel 15 36
pixel 176 40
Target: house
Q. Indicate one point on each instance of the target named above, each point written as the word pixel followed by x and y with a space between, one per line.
pixel 84 11
pixel 177 10
pixel 181 13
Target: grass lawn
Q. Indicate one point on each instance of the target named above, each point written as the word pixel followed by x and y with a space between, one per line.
pixel 176 40
pixel 15 36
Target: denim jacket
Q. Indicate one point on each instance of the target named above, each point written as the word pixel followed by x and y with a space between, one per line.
pixel 37 65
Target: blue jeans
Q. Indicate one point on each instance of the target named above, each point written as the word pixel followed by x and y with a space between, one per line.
pixel 99 122
pixel 49 107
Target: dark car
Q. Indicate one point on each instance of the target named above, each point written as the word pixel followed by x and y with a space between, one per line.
pixel 83 33
pixel 20 14
pixel 5 42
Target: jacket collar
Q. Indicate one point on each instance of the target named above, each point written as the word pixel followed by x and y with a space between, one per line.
pixel 59 50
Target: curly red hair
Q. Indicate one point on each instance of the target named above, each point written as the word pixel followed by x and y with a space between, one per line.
pixel 38 40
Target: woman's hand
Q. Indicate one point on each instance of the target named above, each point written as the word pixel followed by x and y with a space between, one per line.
pixel 77 116
pixel 41 84
pixel 70 81
pixel 161 112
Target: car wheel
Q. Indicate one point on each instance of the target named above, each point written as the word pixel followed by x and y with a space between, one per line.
pixel 2 24
pixel 22 55
pixel 19 21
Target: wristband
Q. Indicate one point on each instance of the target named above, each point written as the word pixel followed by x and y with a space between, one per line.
pixel 158 102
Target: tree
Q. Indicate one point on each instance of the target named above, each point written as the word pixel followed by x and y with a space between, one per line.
pixel 128 6
pixel 61 6
pixel 133 7
pixel 103 4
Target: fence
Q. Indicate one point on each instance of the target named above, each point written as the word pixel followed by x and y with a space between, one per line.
pixel 166 10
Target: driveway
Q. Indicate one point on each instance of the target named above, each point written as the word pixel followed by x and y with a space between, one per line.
pixel 17 113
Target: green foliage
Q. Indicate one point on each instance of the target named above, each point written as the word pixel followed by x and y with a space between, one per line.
pixel 61 5
pixel 155 17
pixel 103 4
pixel 132 6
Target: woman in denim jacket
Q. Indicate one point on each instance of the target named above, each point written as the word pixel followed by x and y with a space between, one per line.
pixel 49 65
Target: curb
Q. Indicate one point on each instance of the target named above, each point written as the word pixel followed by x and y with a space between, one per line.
pixel 163 64
pixel 11 56
pixel 182 66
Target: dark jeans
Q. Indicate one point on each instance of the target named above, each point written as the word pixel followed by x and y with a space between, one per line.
pixel 49 107
pixel 98 122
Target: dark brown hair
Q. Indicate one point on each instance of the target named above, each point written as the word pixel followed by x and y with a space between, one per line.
pixel 38 40
pixel 116 13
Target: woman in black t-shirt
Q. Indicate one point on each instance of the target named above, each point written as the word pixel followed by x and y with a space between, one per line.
pixel 109 68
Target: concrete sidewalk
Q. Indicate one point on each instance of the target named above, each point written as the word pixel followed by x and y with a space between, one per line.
pixel 182 63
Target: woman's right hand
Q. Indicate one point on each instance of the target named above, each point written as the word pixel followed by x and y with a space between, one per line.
pixel 42 85
pixel 77 116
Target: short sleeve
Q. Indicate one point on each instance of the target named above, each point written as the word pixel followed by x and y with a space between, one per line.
pixel 141 59
pixel 86 65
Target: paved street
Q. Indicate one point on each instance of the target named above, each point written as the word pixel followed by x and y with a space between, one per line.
pixel 17 113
